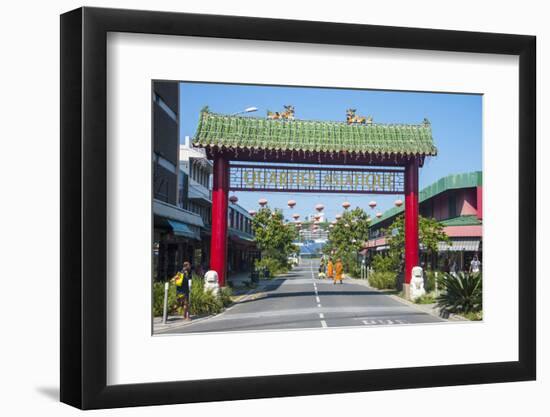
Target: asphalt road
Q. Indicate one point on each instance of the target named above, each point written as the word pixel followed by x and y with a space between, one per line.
pixel 302 301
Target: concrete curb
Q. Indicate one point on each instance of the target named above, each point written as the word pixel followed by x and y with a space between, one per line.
pixel 427 310
pixel 179 324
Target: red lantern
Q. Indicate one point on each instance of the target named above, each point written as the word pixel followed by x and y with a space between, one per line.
pixel 252 212
pixel 378 214
pixel 398 203
pixel 346 205
pixel 296 216
pixel 372 204
pixel 319 207
pixel 317 216
pixel 291 203
pixel 233 199
pixel 262 202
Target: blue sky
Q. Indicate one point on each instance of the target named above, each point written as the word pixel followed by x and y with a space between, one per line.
pixel 455 118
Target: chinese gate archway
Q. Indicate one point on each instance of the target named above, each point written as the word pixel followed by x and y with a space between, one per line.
pixel 333 150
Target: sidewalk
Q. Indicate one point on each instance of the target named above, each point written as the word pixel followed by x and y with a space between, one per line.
pixel 426 308
pixel 241 293
pixel 239 279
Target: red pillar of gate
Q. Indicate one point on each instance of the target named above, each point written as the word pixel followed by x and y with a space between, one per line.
pixel 411 218
pixel 218 243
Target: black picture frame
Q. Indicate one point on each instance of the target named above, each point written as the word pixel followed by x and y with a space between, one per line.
pixel 84 207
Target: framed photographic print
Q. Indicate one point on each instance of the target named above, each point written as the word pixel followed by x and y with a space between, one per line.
pixel 256 208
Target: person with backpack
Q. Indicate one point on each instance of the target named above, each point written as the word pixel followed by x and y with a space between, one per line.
pixel 183 288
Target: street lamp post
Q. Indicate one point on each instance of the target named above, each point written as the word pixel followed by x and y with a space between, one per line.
pixel 247 110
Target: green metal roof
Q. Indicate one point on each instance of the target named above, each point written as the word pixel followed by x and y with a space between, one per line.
pixel 450 182
pixel 467 180
pixel 224 131
pixel 470 220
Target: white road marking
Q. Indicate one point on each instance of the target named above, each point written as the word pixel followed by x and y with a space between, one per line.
pixel 321 315
pixel 377 322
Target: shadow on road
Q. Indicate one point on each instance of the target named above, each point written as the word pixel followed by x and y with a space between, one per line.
pixel 309 294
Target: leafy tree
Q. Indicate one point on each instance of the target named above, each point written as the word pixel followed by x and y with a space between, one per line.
pixel 347 237
pixel 430 233
pixel 273 236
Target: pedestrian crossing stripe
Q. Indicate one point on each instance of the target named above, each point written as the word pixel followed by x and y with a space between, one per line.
pixel 378 322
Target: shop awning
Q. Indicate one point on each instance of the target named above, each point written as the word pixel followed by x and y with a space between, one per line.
pixel 237 234
pixel 181 229
pixel 468 245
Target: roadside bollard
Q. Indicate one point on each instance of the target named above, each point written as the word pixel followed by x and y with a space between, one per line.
pixel 189 301
pixel 435 285
pixel 165 306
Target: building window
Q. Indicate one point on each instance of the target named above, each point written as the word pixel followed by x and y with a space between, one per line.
pixel 162 104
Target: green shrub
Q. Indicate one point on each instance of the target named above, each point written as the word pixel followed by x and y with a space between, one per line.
pixel 382 263
pixel 462 293
pixel 273 266
pixel 203 302
pixel 429 279
pixel 425 299
pixel 474 315
pixel 225 296
pixel 383 280
pixel 158 299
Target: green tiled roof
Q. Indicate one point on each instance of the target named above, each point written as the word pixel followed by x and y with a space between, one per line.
pixel 467 180
pixel 223 131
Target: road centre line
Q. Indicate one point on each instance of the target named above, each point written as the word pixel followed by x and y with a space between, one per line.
pixel 321 315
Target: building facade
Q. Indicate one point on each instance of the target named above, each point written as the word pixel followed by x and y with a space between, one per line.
pixel 175 229
pixel 242 250
pixel 182 198
pixel 198 197
pixel 456 202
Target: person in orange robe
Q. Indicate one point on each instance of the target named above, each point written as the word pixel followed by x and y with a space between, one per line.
pixel 339 272
pixel 330 269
